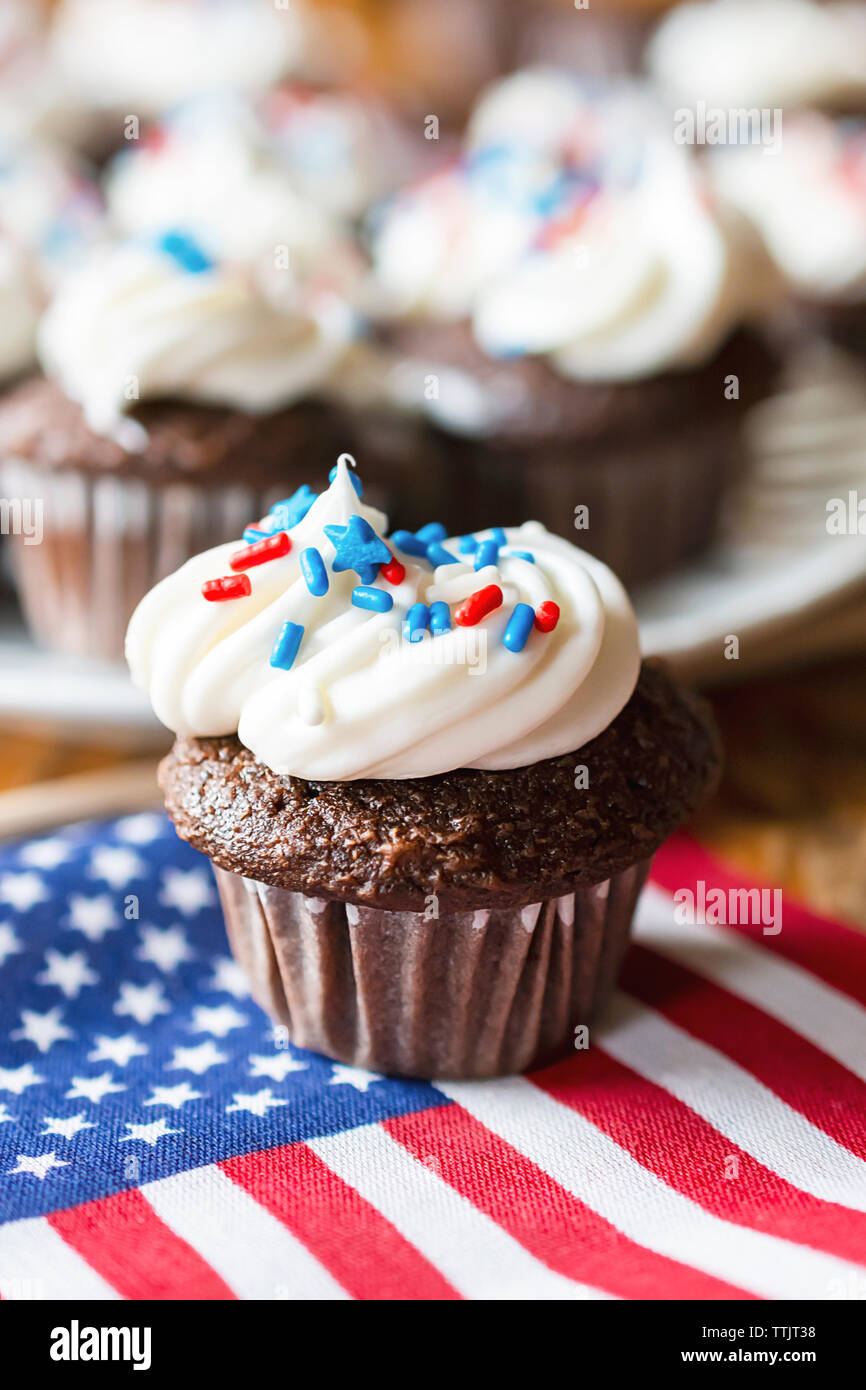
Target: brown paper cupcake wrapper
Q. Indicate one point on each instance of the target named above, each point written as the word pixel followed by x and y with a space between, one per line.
pixel 470 994
pixel 652 504
pixel 106 541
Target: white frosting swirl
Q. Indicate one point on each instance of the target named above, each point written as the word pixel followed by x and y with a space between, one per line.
pixel 592 238
pixel 143 56
pixel 760 53
pixel 134 324
pixel 808 200
pixel 211 169
pixel 360 700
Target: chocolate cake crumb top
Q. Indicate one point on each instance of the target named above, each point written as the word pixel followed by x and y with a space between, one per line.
pixel 475 839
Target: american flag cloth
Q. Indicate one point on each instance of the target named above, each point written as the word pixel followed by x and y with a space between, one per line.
pixel 159 1140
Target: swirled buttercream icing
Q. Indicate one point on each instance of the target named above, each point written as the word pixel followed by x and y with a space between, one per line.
pixel 335 655
pixel 161 320
pixel 591 237
pixel 760 53
pixel 143 56
pixel 808 201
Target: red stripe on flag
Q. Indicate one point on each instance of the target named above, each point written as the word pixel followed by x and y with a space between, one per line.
pixel 686 1152
pixel 346 1233
pixel 124 1240
pixel 827 1093
pixel 551 1223
pixel 834 953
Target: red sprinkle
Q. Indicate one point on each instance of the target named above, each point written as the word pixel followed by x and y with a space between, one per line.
pixel 271 548
pixel 547 616
pixel 232 586
pixel 394 572
pixel 478 605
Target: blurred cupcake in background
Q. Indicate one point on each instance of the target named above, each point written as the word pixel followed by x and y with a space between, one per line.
pixel 245 175
pixel 181 396
pixel 566 309
pixel 808 201
pixel 762 54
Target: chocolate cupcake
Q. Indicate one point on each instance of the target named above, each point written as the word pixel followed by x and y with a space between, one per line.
pixel 567 311
pixel 182 397
pixel 430 775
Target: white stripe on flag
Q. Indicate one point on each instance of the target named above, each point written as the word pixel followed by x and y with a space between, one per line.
pixel 596 1170
pixel 832 1021
pixel 36 1262
pixel 475 1255
pixel 250 1249
pixel 733 1101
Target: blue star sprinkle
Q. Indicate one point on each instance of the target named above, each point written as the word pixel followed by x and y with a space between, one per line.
pixel 358 548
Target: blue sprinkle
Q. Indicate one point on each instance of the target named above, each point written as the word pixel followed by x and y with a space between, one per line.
pixel 433 531
pixel 286 646
pixel 523 555
pixel 377 600
pixel 438 555
pixel 253 534
pixel 293 509
pixel 486 554
pixel 519 627
pixel 409 544
pixel 356 481
pixel 417 620
pixel 185 251
pixel 467 545
pixel 440 618
pixel 498 535
pixel 358 548
pixel 314 572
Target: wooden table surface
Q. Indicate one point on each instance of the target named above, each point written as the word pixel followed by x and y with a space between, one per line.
pixel 791 809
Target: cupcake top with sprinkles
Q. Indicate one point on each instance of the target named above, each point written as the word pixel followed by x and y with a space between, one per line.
pixel 337 651
pixel 575 228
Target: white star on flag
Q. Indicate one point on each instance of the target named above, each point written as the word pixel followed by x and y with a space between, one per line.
pixel 69 973
pixel 116 865
pixel 16 1079
pixel 165 949
pixel 277 1066
pixel 151 1134
pixel 353 1076
pixel 219 1020
pixel 5 1117
pixel 142 1002
pixel 38 1164
pixel 196 1059
pixel 46 854
pixel 23 891
pixel 258 1104
pixel 92 916
pixel 92 1088
pixel 139 830
pixel 228 978
pixel 67 1128
pixel 173 1095
pixel 117 1050
pixel 9 943
pixel 186 890
pixel 43 1030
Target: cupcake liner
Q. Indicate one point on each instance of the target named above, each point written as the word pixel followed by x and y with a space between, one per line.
pixel 468 994
pixel 106 541
pixel 652 503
